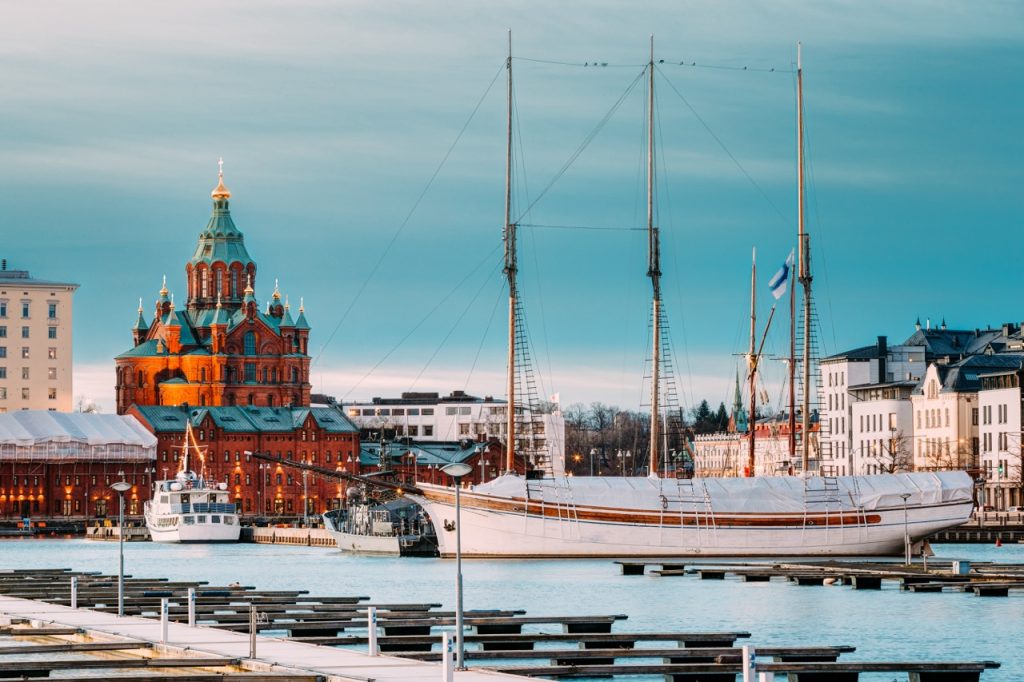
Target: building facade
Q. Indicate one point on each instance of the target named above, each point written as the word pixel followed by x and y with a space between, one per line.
pixel 429 417
pixel 220 348
pixel 727 454
pixel 62 464
pixel 320 436
pixel 35 342
pixel 1001 418
pixel 881 428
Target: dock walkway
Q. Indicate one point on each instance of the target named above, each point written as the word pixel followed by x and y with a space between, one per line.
pixel 271 653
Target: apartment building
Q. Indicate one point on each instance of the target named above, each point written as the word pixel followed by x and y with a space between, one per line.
pixel 35 342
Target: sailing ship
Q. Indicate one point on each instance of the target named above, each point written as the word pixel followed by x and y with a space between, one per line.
pixel 190 507
pixel 661 515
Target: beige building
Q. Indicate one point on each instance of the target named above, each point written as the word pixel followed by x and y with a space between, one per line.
pixel 35 342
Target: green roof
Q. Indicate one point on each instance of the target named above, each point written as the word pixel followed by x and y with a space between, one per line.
pixel 245 419
pixel 221 241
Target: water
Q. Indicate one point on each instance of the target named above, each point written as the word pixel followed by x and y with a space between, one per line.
pixel 883 625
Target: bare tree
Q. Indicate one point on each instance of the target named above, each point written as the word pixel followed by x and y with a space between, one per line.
pixel 86 405
pixel 895 455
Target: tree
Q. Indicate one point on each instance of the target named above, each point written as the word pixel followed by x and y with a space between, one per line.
pixel 895 455
pixel 721 418
pixel 86 405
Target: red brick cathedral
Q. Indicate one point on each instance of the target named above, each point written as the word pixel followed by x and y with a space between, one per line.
pixel 221 349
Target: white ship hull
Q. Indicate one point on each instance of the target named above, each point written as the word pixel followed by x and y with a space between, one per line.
pixel 376 545
pixel 744 517
pixel 196 532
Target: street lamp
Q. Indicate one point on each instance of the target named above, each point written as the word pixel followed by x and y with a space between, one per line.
pixel 121 487
pixel 906 531
pixel 457 470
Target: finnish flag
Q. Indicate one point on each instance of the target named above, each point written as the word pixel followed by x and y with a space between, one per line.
pixel 780 279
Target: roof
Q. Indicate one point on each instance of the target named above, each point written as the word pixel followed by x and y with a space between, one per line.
pixel 886 384
pixel 862 353
pixel 427 453
pixel 965 376
pixel 221 241
pixel 28 427
pixel 21 278
pixel 244 419
pixel 954 343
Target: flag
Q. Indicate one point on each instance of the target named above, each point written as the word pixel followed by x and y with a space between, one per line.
pixel 780 279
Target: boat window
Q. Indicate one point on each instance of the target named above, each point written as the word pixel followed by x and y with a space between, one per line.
pixel 189 520
pixel 229 521
pixel 201 518
pixel 163 499
pixel 215 519
pixel 185 498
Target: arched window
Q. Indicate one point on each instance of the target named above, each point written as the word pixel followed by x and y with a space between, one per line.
pixel 270 400
pixel 250 343
pixel 202 374
pixel 204 283
pixel 295 375
pixel 252 399
pixel 142 378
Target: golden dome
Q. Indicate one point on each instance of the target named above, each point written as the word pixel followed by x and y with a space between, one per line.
pixel 220 191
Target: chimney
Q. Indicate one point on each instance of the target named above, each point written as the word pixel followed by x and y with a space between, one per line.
pixel 883 352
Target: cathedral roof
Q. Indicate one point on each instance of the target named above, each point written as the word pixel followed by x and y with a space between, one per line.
pixel 221 241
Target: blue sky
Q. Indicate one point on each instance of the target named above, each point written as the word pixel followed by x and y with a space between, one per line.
pixel 332 117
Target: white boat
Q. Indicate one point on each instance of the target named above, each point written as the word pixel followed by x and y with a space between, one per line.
pixel 363 528
pixel 189 507
pixel 606 516
pixel 804 515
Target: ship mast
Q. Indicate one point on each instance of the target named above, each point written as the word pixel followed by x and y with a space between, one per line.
pixel 510 273
pixel 805 268
pixel 752 364
pixel 654 272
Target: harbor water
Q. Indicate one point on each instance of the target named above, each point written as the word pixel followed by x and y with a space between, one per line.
pixel 883 625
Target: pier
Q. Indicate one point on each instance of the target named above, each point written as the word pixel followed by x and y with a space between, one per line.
pixel 194 631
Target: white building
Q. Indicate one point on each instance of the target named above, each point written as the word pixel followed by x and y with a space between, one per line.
pixel 459 416
pixel 881 428
pixel 946 411
pixel 999 433
pixel 726 455
pixel 35 342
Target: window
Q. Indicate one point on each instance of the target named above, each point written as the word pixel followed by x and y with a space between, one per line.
pixel 3 372
pixel 414 430
pixel 3 393
pixel 3 351
pixel 24 352
pixel 428 430
pixel 52 311
pixel 51 353
pixel 3 308
pixel 24 373
pixel 51 333
pixel 250 372
pixel 413 412
pixel 51 393
pixel 428 411
pixel 250 343
pixel 24 394
pixel 24 310
pixel 3 332
pixel 25 332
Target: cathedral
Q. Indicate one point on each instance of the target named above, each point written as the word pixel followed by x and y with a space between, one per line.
pixel 220 348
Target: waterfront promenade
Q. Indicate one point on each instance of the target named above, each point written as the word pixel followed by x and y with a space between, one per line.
pixel 272 654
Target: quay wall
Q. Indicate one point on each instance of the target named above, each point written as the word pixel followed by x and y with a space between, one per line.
pixel 307 537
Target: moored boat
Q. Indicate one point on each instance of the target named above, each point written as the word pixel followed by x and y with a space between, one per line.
pixel 190 507
pixel 661 515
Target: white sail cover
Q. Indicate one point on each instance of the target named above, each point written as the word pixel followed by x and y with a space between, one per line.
pixel 44 435
pixel 759 495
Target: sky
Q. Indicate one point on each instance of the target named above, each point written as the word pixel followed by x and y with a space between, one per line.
pixel 364 144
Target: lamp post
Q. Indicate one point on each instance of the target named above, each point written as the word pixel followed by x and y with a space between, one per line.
pixel 457 470
pixel 121 487
pixel 906 531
